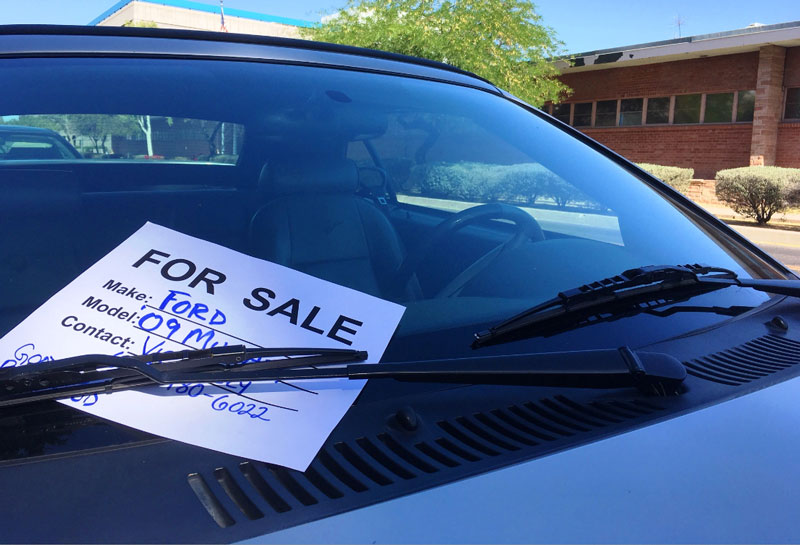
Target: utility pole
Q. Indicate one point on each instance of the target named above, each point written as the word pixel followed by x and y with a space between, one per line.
pixel 679 22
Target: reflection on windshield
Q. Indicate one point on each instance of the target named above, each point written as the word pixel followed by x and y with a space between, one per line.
pixel 342 175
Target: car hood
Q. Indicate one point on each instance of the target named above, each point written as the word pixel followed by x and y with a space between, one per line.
pixel 726 473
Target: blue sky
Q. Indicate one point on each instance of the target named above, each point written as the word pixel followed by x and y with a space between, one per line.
pixel 583 25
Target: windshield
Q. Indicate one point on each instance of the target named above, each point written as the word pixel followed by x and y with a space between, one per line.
pixel 22 143
pixel 370 181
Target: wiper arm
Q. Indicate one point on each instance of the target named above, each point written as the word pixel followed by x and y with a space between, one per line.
pixel 651 372
pixel 97 373
pixel 607 368
pixel 632 292
pixel 734 310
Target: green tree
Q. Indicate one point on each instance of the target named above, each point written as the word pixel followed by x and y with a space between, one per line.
pixel 100 127
pixel 140 24
pixel 97 127
pixel 501 40
pixel 61 123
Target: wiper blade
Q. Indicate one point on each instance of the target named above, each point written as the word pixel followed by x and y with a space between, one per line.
pixel 100 373
pixel 632 292
pixel 653 373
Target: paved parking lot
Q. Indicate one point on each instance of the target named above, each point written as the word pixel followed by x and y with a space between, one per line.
pixel 782 245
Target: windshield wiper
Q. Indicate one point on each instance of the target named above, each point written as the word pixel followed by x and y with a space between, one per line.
pixel 97 373
pixel 632 292
pixel 653 373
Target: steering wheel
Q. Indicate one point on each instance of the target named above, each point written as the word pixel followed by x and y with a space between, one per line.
pixel 527 228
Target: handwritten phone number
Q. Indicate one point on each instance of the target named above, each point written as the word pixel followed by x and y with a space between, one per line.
pixel 24 355
pixel 219 402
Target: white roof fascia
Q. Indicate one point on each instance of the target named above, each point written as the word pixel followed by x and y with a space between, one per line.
pixel 691 48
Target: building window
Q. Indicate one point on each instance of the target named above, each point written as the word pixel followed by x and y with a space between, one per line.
pixel 606 115
pixel 582 116
pixel 657 110
pixel 792 110
pixel 746 105
pixel 735 106
pixel 687 109
pixel 630 111
pixel 719 108
pixel 561 112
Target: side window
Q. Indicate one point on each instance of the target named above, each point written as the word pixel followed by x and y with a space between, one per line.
pixel 129 137
pixel 22 144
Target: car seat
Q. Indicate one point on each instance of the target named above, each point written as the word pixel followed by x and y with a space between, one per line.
pixel 315 222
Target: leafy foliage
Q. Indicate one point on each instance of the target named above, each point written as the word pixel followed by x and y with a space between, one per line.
pixel 503 41
pixel 524 183
pixel 97 127
pixel 677 177
pixel 140 24
pixel 758 192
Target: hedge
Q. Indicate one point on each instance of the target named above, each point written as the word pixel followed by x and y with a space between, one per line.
pixel 759 192
pixel 676 177
pixel 521 183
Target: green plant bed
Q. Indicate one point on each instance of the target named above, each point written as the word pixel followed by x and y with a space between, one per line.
pixel 677 177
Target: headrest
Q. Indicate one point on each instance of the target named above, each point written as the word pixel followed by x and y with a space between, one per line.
pixel 371 178
pixel 328 176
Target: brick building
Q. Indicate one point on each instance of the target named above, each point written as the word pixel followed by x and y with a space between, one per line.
pixel 707 102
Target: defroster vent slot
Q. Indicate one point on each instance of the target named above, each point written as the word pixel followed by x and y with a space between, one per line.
pixel 263 488
pixel 209 500
pixel 747 362
pixel 236 494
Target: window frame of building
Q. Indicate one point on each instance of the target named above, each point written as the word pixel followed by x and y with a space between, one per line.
pixel 568 105
pixel 672 109
pixel 700 112
pixel 730 117
pixel 575 113
pixel 647 110
pixel 737 102
pixel 621 117
pixel 795 101
pixel 616 115
pixel 673 100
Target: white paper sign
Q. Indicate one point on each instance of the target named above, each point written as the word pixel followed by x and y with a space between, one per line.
pixel 161 290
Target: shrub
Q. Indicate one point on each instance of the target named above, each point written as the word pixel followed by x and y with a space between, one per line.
pixel 562 192
pixel 525 182
pixel 676 177
pixel 231 159
pixel 758 192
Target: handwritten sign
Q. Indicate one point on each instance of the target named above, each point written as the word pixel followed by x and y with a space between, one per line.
pixel 161 290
